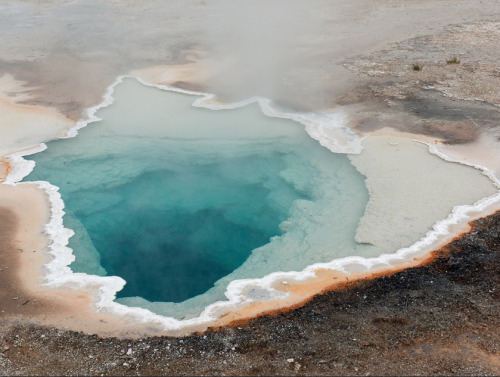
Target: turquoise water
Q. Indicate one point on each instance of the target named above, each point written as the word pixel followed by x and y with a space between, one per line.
pixel 179 201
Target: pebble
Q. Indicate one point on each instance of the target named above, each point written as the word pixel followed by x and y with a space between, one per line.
pixel 129 352
pixel 290 360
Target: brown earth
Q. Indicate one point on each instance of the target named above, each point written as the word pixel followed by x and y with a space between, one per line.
pixel 438 319
pixel 450 101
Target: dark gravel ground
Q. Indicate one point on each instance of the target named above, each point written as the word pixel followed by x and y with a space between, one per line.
pixel 439 319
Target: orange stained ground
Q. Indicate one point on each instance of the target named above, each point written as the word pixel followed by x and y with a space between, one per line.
pixel 4 170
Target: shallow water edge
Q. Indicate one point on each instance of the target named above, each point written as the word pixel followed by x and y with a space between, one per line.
pixel 287 289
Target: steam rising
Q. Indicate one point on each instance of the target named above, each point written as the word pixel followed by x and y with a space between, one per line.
pixel 257 46
pixel 285 50
pixel 291 51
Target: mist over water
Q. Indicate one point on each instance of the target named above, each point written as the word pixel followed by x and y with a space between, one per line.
pixel 182 201
pixel 291 51
pixel 174 232
pixel 179 201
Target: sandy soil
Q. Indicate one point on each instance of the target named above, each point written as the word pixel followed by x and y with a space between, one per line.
pixel 427 101
pixel 439 318
pixel 26 296
pixel 24 253
pixel 25 125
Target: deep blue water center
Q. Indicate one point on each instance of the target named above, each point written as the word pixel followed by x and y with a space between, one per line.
pixel 179 201
pixel 169 213
pixel 169 252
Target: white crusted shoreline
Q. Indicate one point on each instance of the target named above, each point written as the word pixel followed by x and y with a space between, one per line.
pixel 328 130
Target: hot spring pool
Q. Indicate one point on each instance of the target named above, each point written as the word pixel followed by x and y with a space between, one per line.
pixel 179 200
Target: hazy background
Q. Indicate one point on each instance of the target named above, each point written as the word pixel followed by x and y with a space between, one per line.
pixel 288 50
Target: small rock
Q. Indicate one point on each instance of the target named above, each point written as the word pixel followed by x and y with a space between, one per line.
pixel 126 364
pixel 290 360
pixel 129 352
